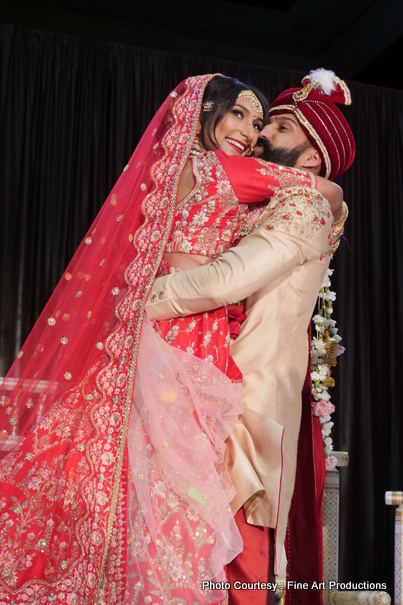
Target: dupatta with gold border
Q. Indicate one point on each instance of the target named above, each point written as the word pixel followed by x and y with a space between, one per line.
pixel 65 404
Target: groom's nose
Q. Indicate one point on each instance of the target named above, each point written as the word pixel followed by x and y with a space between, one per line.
pixel 266 132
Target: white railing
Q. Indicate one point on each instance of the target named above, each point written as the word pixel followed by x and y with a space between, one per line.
pixel 396 499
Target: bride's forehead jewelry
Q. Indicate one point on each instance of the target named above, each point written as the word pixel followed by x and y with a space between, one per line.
pixel 253 100
pixel 244 94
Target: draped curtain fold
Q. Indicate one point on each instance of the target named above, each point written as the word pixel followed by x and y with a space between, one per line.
pixel 72 111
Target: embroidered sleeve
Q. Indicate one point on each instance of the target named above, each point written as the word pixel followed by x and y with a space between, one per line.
pixel 298 211
pixel 287 177
pixel 254 180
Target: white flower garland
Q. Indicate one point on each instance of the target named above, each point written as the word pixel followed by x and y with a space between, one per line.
pixel 324 350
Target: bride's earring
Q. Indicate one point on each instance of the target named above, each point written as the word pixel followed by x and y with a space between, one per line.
pixel 197 148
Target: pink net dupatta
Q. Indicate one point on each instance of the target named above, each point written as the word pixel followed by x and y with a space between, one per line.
pixel 65 404
pixel 181 529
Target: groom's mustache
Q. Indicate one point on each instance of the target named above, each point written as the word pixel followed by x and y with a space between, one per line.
pixel 279 155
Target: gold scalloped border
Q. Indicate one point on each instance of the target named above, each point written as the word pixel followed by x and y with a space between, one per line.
pixel 140 311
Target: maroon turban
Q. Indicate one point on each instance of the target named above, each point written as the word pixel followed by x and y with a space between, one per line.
pixel 323 123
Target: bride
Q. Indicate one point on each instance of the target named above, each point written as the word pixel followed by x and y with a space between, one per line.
pixel 113 484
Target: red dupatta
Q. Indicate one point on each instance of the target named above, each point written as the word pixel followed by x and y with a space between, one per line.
pixel 65 402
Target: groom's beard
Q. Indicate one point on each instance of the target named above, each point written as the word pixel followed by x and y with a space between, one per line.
pixel 280 155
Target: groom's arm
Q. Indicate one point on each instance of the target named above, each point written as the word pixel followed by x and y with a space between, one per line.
pixel 296 229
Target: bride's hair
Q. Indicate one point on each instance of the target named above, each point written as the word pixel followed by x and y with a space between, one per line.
pixel 219 97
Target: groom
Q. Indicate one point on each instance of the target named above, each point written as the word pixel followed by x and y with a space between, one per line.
pixel 280 267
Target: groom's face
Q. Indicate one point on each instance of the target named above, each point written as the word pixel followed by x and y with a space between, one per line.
pixel 284 140
pixel 284 131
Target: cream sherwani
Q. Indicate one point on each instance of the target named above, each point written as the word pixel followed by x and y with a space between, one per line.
pixel 279 268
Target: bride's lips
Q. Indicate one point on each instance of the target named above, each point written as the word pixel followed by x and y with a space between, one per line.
pixel 240 147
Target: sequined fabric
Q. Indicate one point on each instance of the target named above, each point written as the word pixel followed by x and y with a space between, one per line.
pixel 181 530
pixel 205 335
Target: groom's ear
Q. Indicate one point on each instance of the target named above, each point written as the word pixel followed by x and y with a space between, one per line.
pixel 310 160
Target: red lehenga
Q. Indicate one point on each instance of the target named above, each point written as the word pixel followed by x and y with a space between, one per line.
pixel 113 490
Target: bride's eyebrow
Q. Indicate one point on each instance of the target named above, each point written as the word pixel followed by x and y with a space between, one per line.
pixel 241 106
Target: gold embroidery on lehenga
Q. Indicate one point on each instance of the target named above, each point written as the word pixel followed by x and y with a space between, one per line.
pixel 181 545
pixel 53 446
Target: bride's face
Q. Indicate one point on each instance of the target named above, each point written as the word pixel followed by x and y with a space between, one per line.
pixel 238 131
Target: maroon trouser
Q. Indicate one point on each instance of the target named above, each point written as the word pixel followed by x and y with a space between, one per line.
pixel 253 564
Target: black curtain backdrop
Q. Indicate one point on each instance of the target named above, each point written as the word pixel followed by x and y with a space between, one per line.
pixel 72 111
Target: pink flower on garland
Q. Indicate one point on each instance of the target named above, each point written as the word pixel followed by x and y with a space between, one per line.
pixel 331 463
pixel 322 408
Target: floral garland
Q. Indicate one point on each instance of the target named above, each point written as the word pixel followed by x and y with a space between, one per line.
pixel 324 350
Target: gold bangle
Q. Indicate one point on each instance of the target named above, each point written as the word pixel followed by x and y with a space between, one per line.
pixel 343 218
pixel 338 228
pixel 338 232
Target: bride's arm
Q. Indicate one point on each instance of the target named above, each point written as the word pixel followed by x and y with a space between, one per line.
pixel 254 180
pixel 334 195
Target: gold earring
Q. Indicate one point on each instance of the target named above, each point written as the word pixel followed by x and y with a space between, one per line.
pixel 250 151
pixel 197 148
